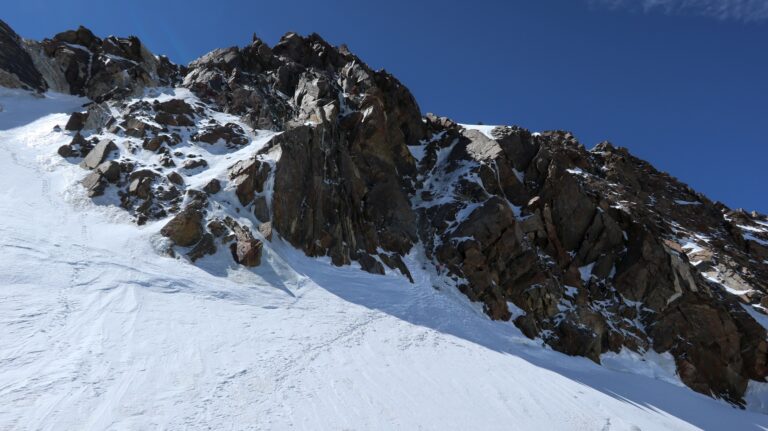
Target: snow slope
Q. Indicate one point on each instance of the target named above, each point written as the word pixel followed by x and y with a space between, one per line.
pixel 99 332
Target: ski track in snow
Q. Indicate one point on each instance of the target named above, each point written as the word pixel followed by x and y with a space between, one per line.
pixel 98 332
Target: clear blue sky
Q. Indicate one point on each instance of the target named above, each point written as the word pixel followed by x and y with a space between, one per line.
pixel 679 87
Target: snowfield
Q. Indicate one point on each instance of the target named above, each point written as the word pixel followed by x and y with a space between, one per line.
pixel 100 332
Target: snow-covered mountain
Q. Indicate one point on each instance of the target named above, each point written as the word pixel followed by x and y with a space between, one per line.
pixel 276 238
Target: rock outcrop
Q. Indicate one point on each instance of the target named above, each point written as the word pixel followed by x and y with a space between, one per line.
pixel 78 62
pixel 16 67
pixel 186 228
pixel 594 259
pixel 341 187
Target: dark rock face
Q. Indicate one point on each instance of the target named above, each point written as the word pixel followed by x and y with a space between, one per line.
pixel 585 249
pixel 81 63
pixel 16 66
pixel 341 185
pixel 249 178
pixel 76 121
pixel 589 250
pixel 325 205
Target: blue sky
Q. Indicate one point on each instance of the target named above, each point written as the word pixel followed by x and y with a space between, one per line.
pixel 681 83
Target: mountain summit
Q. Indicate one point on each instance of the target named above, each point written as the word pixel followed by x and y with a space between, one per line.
pixel 251 150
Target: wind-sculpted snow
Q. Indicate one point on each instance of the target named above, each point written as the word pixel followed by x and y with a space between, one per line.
pixel 99 331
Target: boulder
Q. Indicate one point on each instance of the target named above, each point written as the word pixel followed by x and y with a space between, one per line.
pixel 96 181
pixel 137 128
pixel 194 164
pixel 246 250
pixel 76 121
pixel 78 147
pixel 186 228
pixel 67 151
pixel 99 115
pixel 155 143
pixel 212 187
pixel 218 228
pixel 196 199
pixel 248 177
pixel 110 171
pixel 175 178
pixel 98 154
pixel 140 187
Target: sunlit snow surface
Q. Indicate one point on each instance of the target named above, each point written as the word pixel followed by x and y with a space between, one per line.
pixel 98 331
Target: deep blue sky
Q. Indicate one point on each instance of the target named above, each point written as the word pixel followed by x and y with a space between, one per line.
pixel 688 93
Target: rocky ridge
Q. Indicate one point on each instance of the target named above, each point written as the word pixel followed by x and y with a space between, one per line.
pixel 590 251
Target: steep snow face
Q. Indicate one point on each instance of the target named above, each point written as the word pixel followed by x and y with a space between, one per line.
pixel 98 331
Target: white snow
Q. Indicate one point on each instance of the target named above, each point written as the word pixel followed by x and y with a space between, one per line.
pixel 690 246
pixel 684 203
pixel 484 129
pixel 586 272
pixel 750 237
pixel 714 276
pixel 418 151
pixel 99 332
pixel 651 364
pixel 751 228
pixel 577 171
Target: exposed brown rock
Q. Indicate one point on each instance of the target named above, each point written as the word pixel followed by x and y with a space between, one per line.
pixel 76 121
pixel 246 250
pixel 175 178
pixel 185 229
pixel 248 177
pixel 16 66
pixel 155 143
pixel 212 187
